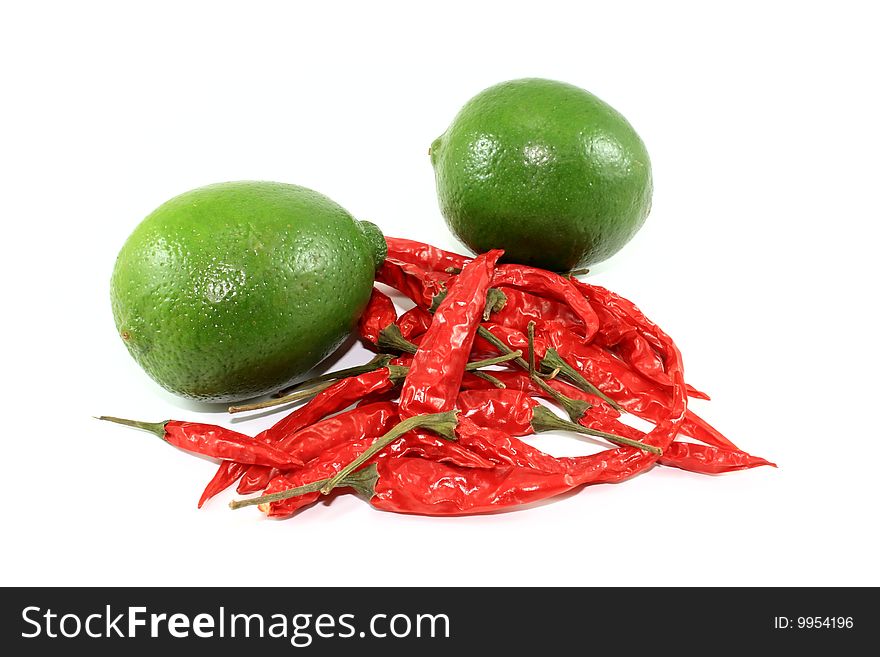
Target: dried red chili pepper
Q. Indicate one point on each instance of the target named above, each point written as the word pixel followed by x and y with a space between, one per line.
pixel 428 446
pixel 522 307
pixel 364 421
pixel 227 474
pixel 706 459
pixel 428 257
pixel 514 412
pixel 319 469
pixel 378 314
pixel 423 487
pixel 287 494
pixel 553 286
pixel 438 367
pixel 618 332
pixel 211 440
pixel 338 397
pixel 419 285
pixel 638 396
pixel 414 322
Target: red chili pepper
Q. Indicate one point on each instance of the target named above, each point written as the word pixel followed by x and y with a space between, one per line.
pixel 419 285
pixel 326 465
pixel 438 489
pixel 706 459
pixel 414 322
pixel 521 307
pixel 508 410
pixel 553 286
pixel 618 331
pixel 513 338
pixel 227 474
pixel 638 396
pixel 501 445
pixel 428 446
pixel 337 397
pixel 520 380
pixel 378 314
pixel 428 257
pixel 370 420
pixel 438 367
pixel 217 442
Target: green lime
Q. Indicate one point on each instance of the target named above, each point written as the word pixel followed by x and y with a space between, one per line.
pixel 233 290
pixel 545 171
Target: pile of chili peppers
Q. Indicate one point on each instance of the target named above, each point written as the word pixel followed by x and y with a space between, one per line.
pixel 426 426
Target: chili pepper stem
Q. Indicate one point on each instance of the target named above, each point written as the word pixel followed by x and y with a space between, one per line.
pixel 497 360
pixel 579 272
pixel 553 361
pixel 157 428
pixel 363 481
pixel 278 401
pixel 390 337
pixel 378 361
pixel 530 329
pixel 495 301
pixel 574 407
pixel 440 423
pixel 545 420
pixel 495 381
pixel 489 337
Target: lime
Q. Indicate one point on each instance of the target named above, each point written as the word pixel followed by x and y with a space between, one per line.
pixel 233 290
pixel 544 170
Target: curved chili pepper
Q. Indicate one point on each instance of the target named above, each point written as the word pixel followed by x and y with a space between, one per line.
pixel 523 307
pixel 414 322
pixel 517 414
pixel 553 286
pixel 337 397
pixel 424 487
pixel 508 410
pixel 428 446
pixel 633 347
pixel 438 367
pixel 211 440
pixel 703 459
pixel 227 474
pixel 369 420
pixel 320 468
pixel 378 314
pixel 706 459
pixel 424 255
pixel 638 396
pixel 513 338
pixel 419 285
pixel 521 381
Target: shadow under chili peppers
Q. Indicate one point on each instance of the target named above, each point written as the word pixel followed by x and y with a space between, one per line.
pixel 223 407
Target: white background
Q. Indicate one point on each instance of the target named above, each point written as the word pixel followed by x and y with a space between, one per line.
pixel 759 258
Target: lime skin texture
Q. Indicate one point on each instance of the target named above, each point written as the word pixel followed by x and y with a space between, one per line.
pixel 544 170
pixel 234 290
